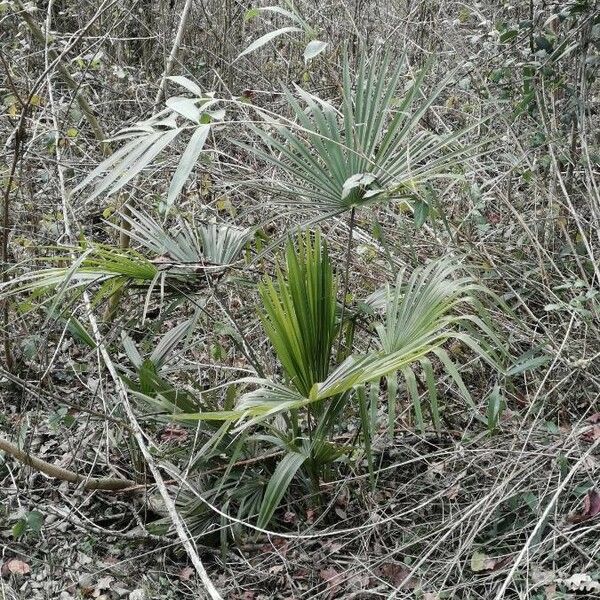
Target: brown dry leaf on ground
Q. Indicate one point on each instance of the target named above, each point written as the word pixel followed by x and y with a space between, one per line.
pixel 397 574
pixel 333 547
pixel 594 419
pixel 14 566
pixel 591 507
pixel 592 434
pixel 333 579
pixel 289 517
pixel 173 433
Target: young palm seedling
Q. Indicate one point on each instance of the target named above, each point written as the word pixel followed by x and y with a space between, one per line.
pixel 318 399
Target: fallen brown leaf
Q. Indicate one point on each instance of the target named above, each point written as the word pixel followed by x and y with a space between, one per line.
pixel 591 503
pixel 333 580
pixel 592 434
pixel 591 507
pixel 281 545
pixel 289 517
pixel 14 566
pixel 186 573
pixel 398 575
pixel 595 418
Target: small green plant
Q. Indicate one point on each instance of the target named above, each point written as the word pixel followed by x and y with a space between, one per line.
pixel 421 314
pixel 182 255
pixel 31 522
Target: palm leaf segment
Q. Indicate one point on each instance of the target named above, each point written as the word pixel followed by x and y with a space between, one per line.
pixel 372 149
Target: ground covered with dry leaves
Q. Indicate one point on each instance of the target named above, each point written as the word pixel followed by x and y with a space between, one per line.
pixel 498 500
pixel 448 514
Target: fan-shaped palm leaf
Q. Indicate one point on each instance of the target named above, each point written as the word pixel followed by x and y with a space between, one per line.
pixel 182 254
pixel 420 317
pixel 148 139
pixel 206 244
pixel 374 148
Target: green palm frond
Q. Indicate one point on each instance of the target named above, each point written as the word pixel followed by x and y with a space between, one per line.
pixel 95 264
pixel 422 309
pixel 146 140
pixel 299 312
pixel 183 255
pixel 222 244
pixel 374 148
pixel 278 485
pixel 420 317
pixel 185 243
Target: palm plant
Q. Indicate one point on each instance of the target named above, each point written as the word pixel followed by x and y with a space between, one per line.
pixel 91 264
pixel 421 314
pixel 420 318
pixel 299 317
pixel 372 149
pixel 299 312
